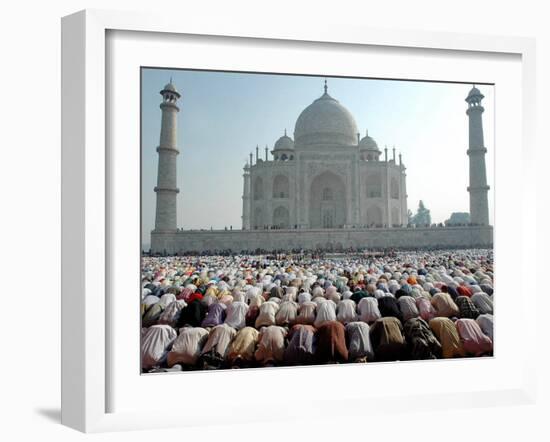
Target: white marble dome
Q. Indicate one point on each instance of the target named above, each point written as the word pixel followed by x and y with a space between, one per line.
pixel 368 143
pixel 170 87
pixel 474 93
pixel 284 143
pixel 325 121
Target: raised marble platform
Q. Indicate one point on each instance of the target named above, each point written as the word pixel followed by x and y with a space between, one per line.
pixel 375 238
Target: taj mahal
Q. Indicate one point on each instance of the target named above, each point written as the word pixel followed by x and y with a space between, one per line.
pixel 327 187
pixel 327 178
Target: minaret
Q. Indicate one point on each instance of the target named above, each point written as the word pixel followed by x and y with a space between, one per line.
pixel 246 198
pixel 166 189
pixel 479 207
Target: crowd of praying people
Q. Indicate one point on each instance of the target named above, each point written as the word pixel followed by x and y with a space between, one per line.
pixel 241 311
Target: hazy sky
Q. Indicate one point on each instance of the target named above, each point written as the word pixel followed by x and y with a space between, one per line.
pixel 223 116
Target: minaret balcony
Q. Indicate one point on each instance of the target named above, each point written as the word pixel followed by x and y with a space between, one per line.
pixel 478 188
pixel 477 151
pixel 166 189
pixel 167 149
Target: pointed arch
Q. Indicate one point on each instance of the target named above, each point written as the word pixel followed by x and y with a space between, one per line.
pixel 374 216
pixel 258 188
pixel 281 218
pixel 394 189
pixel 327 201
pixel 374 185
pixel 281 187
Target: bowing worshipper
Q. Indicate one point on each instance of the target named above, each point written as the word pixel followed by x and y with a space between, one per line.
pixel 152 314
pixel 369 289
pixel 147 302
pixel 318 300
pixel 237 296
pixel 271 345
pixel 421 342
pixel 187 347
pixel 388 307
pixel 474 341
pixel 358 342
pixel 485 322
pixel 302 345
pixel 186 293
pixel 307 313
pixel 155 344
pixel 387 339
pixel 166 299
pixel 287 313
pixel 225 298
pixel 347 294
pixel 467 308
pixel 254 296
pixel 317 290
pixel 242 348
pixel 276 292
pixel 252 315
pixel 382 294
pixel 192 315
pixel 400 292
pixel 360 294
pixel 214 352
pixel 444 305
pixel 483 302
pixel 407 307
pixel 171 313
pixel 346 311
pixel 332 294
pixel 266 317
pixel 486 288
pixel 326 312
pixel 446 333
pixel 235 314
pixel 209 299
pixel 425 309
pixel 451 290
pixel 416 293
pixel 368 310
pixel 464 290
pixel 215 315
pixel 304 297
pixel 291 294
pixel 331 343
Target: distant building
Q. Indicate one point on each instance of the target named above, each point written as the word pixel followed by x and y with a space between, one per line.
pixel 458 219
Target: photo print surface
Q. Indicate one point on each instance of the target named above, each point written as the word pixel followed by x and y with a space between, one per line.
pixel 291 220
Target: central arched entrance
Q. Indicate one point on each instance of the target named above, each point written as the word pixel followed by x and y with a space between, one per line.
pixel 281 218
pixel 327 202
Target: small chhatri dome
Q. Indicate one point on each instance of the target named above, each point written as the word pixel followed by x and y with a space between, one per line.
pixel 325 121
pixel 169 87
pixel 474 94
pixel 368 143
pixel 284 143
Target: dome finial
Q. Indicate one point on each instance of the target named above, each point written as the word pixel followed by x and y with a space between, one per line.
pixel 285 131
pixel 326 87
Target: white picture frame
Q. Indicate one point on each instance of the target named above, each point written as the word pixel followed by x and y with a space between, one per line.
pixel 86 349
